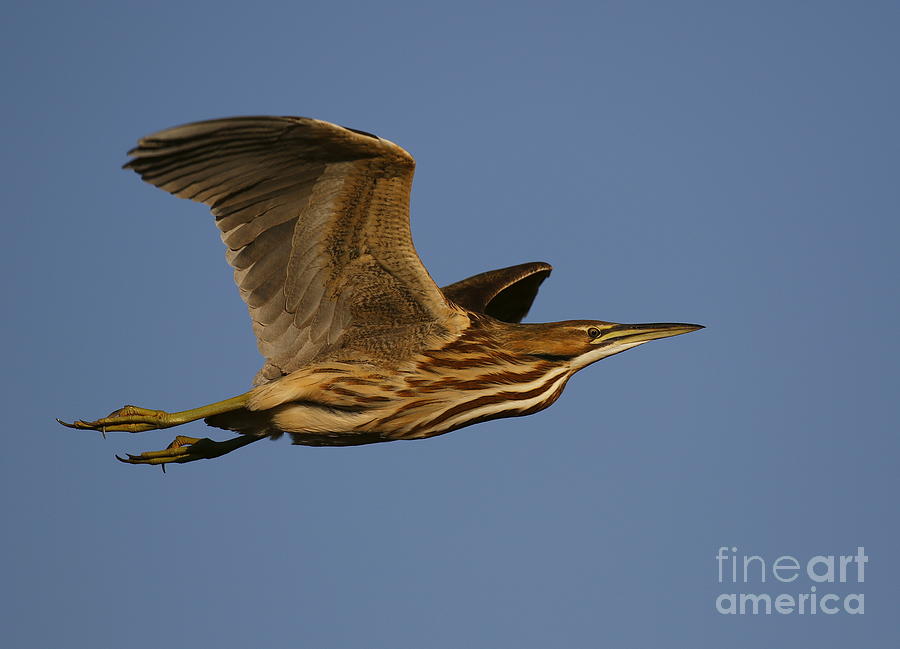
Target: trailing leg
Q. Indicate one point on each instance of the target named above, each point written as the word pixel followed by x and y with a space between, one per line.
pixel 188 449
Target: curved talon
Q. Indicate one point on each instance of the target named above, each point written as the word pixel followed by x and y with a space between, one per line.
pixel 136 459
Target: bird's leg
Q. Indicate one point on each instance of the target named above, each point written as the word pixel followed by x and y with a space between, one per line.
pixel 132 419
pixel 187 449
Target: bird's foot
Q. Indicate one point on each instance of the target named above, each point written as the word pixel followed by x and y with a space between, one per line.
pixel 182 449
pixel 128 419
pixel 188 449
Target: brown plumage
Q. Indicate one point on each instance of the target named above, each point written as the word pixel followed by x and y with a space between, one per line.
pixel 360 345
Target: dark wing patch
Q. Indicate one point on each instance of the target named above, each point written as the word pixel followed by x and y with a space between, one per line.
pixel 366 133
pixel 505 293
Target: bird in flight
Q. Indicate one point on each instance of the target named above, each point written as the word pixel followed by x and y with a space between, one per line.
pixel 360 344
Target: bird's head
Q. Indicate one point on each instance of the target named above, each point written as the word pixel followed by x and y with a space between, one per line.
pixel 582 342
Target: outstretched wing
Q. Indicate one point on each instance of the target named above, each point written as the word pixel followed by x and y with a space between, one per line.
pixel 505 294
pixel 315 218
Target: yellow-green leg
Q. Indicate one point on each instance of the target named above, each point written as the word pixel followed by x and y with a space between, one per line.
pixel 187 449
pixel 133 419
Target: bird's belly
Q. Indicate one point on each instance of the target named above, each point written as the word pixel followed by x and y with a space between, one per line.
pixel 409 413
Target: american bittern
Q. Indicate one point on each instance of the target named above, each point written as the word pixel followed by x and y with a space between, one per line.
pixel 360 345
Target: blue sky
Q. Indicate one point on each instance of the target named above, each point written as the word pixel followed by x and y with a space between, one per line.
pixel 731 164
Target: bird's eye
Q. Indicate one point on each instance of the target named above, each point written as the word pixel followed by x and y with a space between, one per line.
pixel 593 332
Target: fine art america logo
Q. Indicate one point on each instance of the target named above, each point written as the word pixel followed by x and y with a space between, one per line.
pixel 811 580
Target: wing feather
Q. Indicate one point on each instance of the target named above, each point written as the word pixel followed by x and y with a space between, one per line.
pixel 315 220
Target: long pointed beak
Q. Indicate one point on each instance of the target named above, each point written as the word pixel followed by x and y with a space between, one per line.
pixel 641 333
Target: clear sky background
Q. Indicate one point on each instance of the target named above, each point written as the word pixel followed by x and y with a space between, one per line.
pixel 733 164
